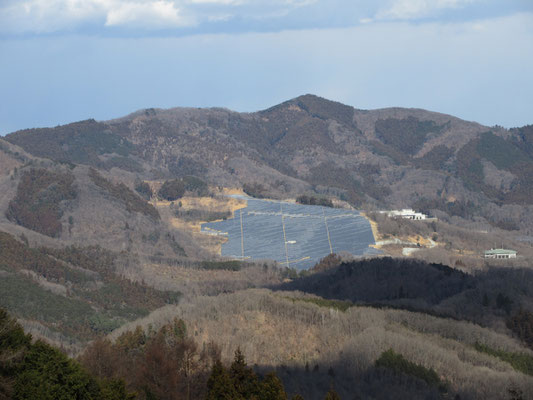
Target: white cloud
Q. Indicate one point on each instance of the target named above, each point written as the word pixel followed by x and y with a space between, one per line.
pixel 222 2
pixel 153 14
pixel 46 15
pixel 42 16
pixel 96 16
pixel 413 9
pixel 219 17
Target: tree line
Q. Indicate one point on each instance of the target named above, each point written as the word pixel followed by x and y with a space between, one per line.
pixel 168 364
pixel 36 370
pixel 174 189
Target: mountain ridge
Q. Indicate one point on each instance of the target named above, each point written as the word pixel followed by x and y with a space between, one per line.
pixel 393 157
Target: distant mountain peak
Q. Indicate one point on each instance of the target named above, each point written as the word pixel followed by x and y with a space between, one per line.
pixel 318 107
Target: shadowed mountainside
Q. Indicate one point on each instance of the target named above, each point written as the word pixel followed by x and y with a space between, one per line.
pixel 488 298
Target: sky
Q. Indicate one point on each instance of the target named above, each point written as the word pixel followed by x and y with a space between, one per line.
pixel 67 60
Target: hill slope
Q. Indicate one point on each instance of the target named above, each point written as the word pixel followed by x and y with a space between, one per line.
pixel 387 158
pixel 77 228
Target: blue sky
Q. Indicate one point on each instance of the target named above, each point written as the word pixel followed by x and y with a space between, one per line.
pixel 67 60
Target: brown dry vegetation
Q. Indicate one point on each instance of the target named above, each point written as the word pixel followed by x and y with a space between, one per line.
pixel 193 280
pixel 41 195
pixel 8 163
pixel 200 208
pixel 274 329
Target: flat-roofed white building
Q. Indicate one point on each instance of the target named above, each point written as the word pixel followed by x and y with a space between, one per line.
pixel 500 253
pixel 406 213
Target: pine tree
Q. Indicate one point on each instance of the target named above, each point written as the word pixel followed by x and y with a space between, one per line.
pixel 485 300
pixel 332 395
pixel 48 374
pixel 271 388
pixel 40 371
pixel 179 329
pixel 219 385
pixel 115 390
pixel 13 343
pixel 243 377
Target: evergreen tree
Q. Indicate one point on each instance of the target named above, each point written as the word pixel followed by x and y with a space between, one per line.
pixel 13 343
pixel 219 385
pixel 40 371
pixel 115 390
pixel 179 329
pixel 48 374
pixel 172 190
pixel 144 189
pixel 332 395
pixel 243 377
pixel 271 388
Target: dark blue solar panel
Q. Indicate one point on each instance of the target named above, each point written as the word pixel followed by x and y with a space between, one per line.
pixel 292 234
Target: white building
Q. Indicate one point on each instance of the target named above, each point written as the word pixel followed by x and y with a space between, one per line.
pixel 500 253
pixel 405 213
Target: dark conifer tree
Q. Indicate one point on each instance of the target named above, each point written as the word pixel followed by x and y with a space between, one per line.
pixel 13 343
pixel 332 395
pixel 49 375
pixel 272 388
pixel 219 385
pixel 243 377
pixel 179 329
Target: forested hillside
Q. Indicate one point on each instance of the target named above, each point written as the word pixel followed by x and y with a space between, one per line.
pixel 36 370
pixel 74 292
pixel 57 204
pixel 375 158
pixel 315 344
pixel 494 298
pixel 102 254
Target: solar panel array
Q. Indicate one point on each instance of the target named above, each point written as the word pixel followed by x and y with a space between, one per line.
pixel 294 235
